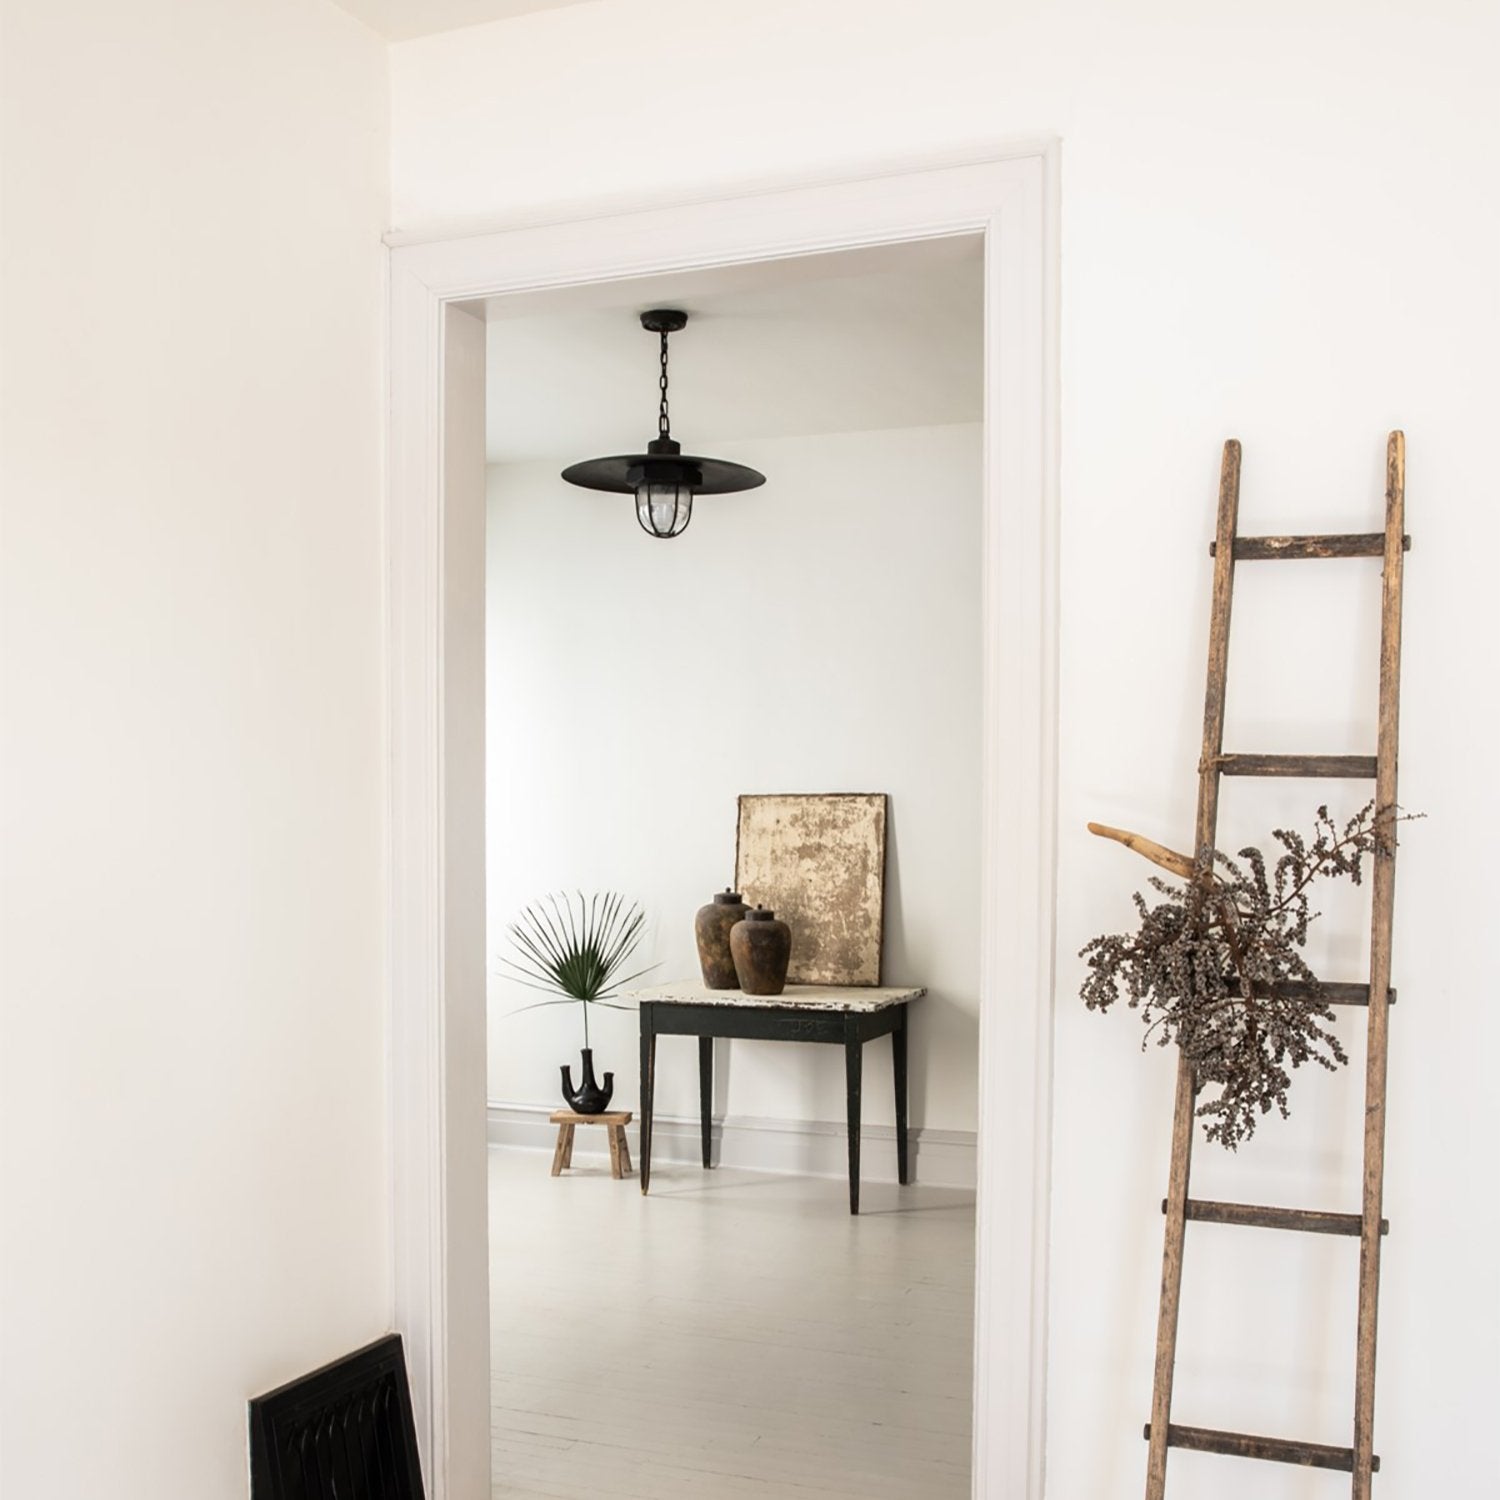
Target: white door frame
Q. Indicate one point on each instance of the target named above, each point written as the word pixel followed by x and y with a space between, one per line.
pixel 437 950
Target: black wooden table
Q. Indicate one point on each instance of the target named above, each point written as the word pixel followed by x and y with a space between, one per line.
pixel 847 1017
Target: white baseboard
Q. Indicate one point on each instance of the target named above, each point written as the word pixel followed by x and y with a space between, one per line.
pixel 812 1148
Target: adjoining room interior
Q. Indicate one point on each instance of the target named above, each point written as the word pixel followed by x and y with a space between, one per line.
pixel 737 1331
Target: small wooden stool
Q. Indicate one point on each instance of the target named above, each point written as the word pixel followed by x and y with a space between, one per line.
pixel 614 1121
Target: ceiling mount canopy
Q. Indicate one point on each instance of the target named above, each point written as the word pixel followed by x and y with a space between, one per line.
pixel 663 479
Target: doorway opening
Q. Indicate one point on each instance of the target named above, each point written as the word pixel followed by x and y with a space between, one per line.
pixel 822 633
pixel 439 947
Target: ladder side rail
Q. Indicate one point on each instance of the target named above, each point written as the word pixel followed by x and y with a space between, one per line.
pixel 1204 837
pixel 1382 911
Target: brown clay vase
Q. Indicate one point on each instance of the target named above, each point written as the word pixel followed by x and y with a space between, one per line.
pixel 712 926
pixel 762 949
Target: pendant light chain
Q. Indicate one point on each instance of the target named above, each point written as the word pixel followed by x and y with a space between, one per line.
pixel 663 423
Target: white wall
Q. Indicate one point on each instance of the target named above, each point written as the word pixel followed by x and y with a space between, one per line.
pixel 1278 222
pixel 818 634
pixel 192 1108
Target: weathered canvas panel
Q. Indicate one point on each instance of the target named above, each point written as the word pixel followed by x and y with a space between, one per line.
pixel 819 862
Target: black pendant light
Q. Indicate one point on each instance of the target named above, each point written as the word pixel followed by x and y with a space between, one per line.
pixel 663 479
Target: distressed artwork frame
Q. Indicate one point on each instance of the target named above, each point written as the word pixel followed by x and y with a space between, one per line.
pixel 818 861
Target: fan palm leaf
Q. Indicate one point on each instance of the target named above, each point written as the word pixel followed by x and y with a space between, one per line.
pixel 575 949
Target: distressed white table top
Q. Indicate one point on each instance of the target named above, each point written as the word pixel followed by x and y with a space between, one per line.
pixel 794 996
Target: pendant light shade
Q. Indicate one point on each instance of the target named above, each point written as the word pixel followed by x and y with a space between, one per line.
pixel 663 479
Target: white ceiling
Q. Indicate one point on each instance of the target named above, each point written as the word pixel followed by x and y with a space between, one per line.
pixel 401 20
pixel 849 342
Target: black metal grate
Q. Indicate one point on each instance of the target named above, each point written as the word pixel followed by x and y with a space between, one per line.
pixel 345 1432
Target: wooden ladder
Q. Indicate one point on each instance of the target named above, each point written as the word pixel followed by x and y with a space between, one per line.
pixel 1228 549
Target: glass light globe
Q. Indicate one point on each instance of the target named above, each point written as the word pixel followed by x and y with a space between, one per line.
pixel 663 509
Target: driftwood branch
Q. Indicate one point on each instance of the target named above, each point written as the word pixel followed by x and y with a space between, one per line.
pixel 1169 859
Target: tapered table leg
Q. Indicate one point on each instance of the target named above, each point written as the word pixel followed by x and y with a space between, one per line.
pixel 853 1075
pixel 706 1095
pixel 898 1060
pixel 648 1090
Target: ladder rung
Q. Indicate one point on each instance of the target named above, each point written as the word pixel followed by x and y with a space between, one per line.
pixel 1349 767
pixel 1311 1221
pixel 1333 994
pixel 1261 548
pixel 1278 1450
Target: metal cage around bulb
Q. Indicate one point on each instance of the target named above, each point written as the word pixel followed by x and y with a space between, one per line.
pixel 663 479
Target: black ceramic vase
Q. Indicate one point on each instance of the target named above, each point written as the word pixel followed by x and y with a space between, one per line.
pixel 711 927
pixel 762 949
pixel 588 1098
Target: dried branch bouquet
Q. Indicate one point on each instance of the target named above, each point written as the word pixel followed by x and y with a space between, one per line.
pixel 1216 965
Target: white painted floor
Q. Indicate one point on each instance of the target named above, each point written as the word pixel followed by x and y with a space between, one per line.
pixel 735 1334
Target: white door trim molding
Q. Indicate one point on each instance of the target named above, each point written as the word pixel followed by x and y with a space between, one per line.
pixel 438 1187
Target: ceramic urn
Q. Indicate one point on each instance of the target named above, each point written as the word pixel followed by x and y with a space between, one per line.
pixel 712 929
pixel 762 949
